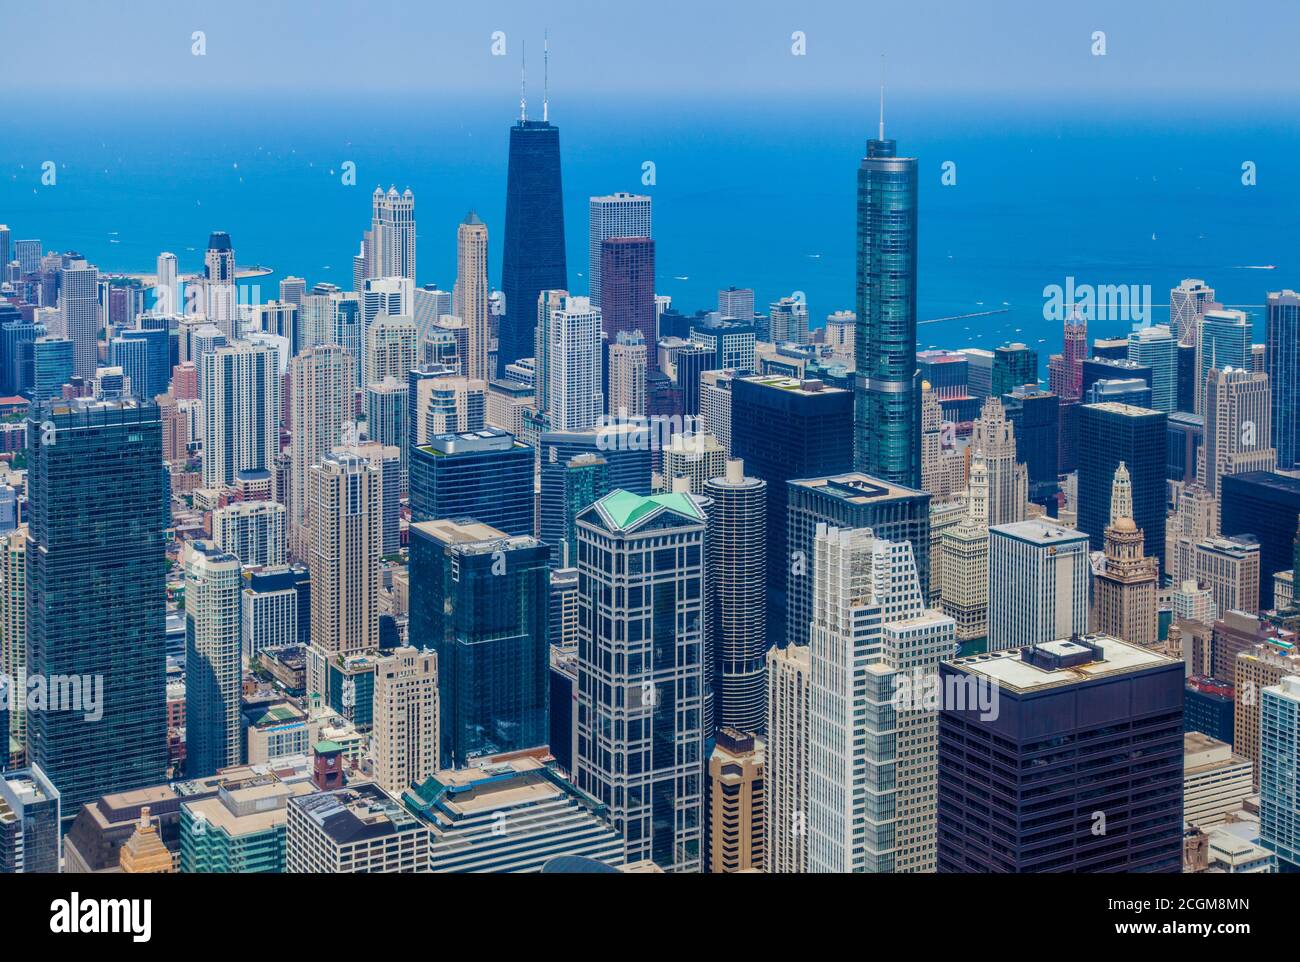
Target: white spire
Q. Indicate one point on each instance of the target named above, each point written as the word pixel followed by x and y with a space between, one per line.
pixel 546 74
pixel 523 81
pixel 882 97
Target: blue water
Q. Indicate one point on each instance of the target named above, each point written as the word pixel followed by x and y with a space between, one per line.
pixel 756 194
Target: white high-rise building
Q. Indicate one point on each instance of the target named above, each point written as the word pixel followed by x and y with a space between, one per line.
pixel 213 633
pixel 1039 577
pixel 789 672
pixel 79 305
pixel 575 399
pixel 715 405
pixel 1187 302
pixel 1238 427
pixel 321 406
pixel 406 718
pixel 964 552
pixel 736 303
pixel 253 531
pixel 389 248
pixel 167 287
pixel 470 297
pixel 872 637
pixel 614 215
pixel 239 385
pixel 627 375
pixel 788 320
pixel 391 348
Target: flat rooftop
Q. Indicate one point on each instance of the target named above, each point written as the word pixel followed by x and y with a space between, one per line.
pixel 857 488
pixel 1011 673
pixel 1039 531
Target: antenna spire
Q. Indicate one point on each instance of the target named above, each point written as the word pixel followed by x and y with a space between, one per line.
pixel 523 81
pixel 546 74
pixel 882 97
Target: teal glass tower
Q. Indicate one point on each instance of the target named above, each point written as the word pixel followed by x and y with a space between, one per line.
pixel 887 403
pixel 96 595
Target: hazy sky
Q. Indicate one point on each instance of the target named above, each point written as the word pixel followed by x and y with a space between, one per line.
pixel 649 47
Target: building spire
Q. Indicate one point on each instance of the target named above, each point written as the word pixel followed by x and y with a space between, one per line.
pixel 523 81
pixel 882 97
pixel 1121 495
pixel 546 74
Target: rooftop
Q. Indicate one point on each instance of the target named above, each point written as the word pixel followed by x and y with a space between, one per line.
pixel 1012 672
pixel 1040 531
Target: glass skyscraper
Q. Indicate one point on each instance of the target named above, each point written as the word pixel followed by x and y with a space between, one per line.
pixel 1283 332
pixel 534 246
pixel 479 599
pixel 485 475
pixel 887 429
pixel 96 595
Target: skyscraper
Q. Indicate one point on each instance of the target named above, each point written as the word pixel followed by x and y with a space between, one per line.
pixel 240 390
pixel 574 395
pixel 640 672
pixel 1065 370
pixel 1187 302
pixel 788 676
pixel 389 248
pixel 470 296
pixel 1038 584
pixel 1223 341
pixel 871 627
pixel 737 803
pixel 1124 590
pixel 391 348
pixel 627 299
pixel 320 403
pixel 212 659
pixel 219 289
pixel 964 557
pixel 1155 347
pixel 1067 809
pixel 626 391
pixel 613 215
pixel 994 439
pixel 78 302
pixel 1266 505
pixel 406 718
pixel 1279 758
pixel 735 613
pixel 1238 431
pixel 343 556
pixel 533 258
pixel 1108 434
pixel 96 594
pixel 485 475
pixel 478 598
pixel 887 431
pixel 1283 327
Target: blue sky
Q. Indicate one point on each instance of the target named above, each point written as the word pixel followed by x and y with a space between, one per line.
pixel 99 48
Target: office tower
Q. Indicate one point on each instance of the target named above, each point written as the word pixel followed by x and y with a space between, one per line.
pixel 696 457
pixel 1238 431
pixel 640 698
pixel 1279 757
pixel 167 288
pixel 430 303
pixel 13 636
pixel 53 364
pixel 29 823
pixel 1230 568
pixel 870 629
pixel 1014 366
pixel 320 401
pixel 218 287
pixel 1262 662
pixel 16 332
pixel 78 283
pixel 1192 603
pixel 533 259
pixel 406 718
pixel 470 296
pixel 1156 348
pixel 1038 584
pixel 390 348
pixel 387 420
pixel 574 398
pixel 1185 436
pixel 979 372
pixel 357 829
pixel 964 557
pixel 512 815
pixel 386 460
pixel 567 487
pixel 1114 811
pixel 614 215
pixel 1223 341
pixel 887 429
pixel 1187 302
pixel 786 829
pixel 628 292
pixel 510 406
pixel 239 828
pixel 28 255
pixel 1124 589
pixel 943 467
pixel 1109 434
pixel 342 493
pixel 715 405
pixel 627 375
pixel 389 247
pixel 146 353
pixel 1193 519
pixel 1065 370
pixel 252 531
pixel 4 249
pixel 1107 375
pixel 994 438
pixel 735 614
pixel 1207 708
pixel 96 593
pixel 479 599
pixel 1112 348
pixel 737 803
pixel 486 475
pixel 784 429
pixel 1035 417
pixel 1266 505
pixel 736 303
pixel 292 290
pixel 438 403
pixel 1283 333
pixel 851 500
pixel 275 610
pixel 788 318
pixel 212 659
pixel 240 390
